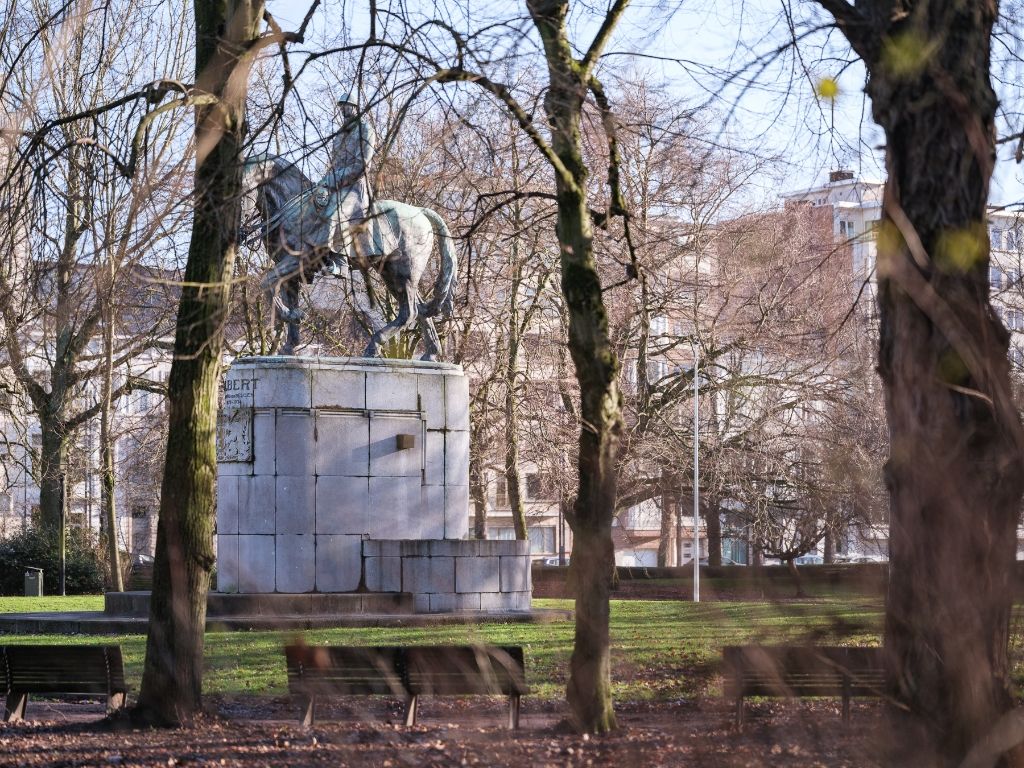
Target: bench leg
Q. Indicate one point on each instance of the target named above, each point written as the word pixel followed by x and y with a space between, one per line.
pixel 739 711
pixel 410 709
pixel 308 711
pixel 116 701
pixel 513 712
pixel 846 710
pixel 15 707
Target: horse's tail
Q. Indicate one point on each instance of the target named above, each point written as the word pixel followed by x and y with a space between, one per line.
pixel 443 300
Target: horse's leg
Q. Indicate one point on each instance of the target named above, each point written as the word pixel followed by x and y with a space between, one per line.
pixel 431 341
pixel 290 290
pixel 279 275
pixel 406 318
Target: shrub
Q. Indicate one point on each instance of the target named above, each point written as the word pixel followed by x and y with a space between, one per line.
pixel 84 567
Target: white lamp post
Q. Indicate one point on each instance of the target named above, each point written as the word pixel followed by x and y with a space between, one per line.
pixel 696 479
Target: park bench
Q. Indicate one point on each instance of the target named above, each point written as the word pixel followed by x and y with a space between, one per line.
pixel 61 669
pixel 802 671
pixel 407 672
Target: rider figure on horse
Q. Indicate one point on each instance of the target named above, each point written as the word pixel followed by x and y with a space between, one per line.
pixel 342 198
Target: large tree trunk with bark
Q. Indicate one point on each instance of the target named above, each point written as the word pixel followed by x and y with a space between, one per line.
pixel 478 494
pixel 666 527
pixel 172 676
pixel 52 458
pixel 954 473
pixel 593 559
pixel 713 525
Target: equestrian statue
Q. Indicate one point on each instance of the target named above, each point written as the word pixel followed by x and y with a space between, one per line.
pixel 334 226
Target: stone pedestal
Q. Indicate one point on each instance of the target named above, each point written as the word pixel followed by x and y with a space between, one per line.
pixel 317 455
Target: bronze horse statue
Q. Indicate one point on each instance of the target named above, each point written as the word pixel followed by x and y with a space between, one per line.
pixel 402 237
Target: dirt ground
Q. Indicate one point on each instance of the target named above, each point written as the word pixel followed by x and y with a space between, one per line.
pixel 255 731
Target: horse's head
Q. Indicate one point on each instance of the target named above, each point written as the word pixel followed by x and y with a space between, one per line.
pixel 273 181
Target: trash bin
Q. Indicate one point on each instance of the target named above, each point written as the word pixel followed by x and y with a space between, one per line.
pixel 34 582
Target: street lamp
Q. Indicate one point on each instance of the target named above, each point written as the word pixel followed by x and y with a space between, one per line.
pixel 696 479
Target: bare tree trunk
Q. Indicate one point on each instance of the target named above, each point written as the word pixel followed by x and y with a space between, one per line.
pixel 478 492
pixel 795 573
pixel 665 534
pixel 52 457
pixel 172 676
pixel 513 481
pixel 107 481
pixel 107 499
pixel 954 472
pixel 713 523
pixel 593 559
pixel 829 555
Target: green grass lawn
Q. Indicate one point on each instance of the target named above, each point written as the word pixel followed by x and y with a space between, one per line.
pixel 661 649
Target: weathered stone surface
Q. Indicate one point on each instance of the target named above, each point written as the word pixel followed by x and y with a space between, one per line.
pixel 456 511
pixel 339 389
pixel 227 563
pixel 391 391
pixel 433 473
pixel 386 460
pixel 467 602
pixel 456 458
pixel 431 394
pixel 456 398
pixel 227 504
pixel 342 505
pixel 383 574
pixel 382 548
pixel 295 563
pixel 295 504
pixel 294 444
pixel 256 504
pixel 477 574
pixel 396 508
pixel 264 442
pixel 234 468
pixel 515 574
pixel 442 602
pixel 256 571
pixel 428 574
pixel 281 387
pixel 342 446
pixel 338 563
pixel 495 601
pixel 421 603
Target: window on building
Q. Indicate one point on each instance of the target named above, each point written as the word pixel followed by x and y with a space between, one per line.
pixel 659 325
pixel 537 486
pixel 139 511
pixel 995 277
pixel 501 493
pixel 542 539
pixel 37 440
pixel 1012 277
pixel 1015 319
pixel 995 235
pixel 501 532
pixel 1017 356
pixel 847 229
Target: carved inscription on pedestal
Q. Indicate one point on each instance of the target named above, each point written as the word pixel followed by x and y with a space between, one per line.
pixel 234 425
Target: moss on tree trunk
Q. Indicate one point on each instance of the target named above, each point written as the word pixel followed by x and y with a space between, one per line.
pixel 172 675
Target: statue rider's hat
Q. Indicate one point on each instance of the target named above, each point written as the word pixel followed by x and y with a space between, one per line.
pixel 347 98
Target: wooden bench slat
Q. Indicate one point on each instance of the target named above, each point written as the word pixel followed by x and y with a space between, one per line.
pixel 802 671
pixel 409 671
pixel 65 669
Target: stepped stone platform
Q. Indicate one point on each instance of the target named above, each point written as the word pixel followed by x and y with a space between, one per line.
pixel 127 613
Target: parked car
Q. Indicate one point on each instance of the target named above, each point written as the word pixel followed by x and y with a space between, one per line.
pixel 554 561
pixel 809 560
